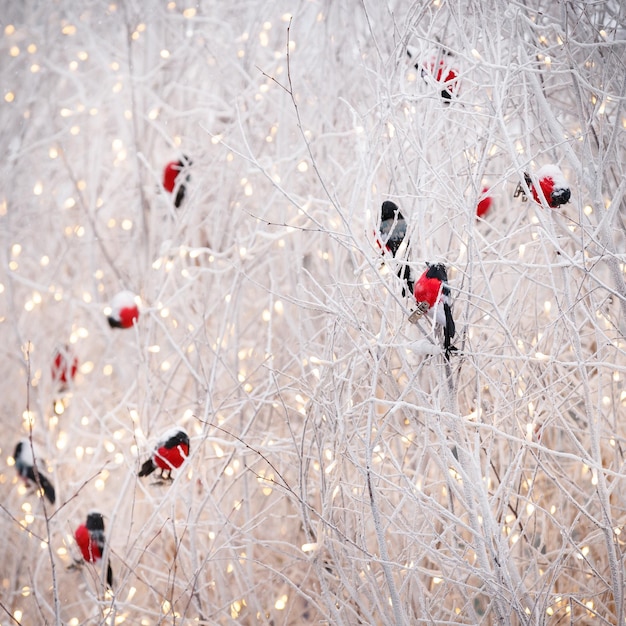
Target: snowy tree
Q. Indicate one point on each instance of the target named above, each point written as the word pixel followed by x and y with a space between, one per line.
pixel 341 469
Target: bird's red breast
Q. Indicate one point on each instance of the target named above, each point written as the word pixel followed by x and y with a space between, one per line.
pixel 170 173
pixel 427 290
pixel 547 187
pixel 484 205
pixel 88 546
pixel 168 458
pixel 128 315
pixel 441 72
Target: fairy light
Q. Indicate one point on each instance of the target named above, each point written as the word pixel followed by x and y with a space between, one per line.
pixel 281 603
pixel 61 442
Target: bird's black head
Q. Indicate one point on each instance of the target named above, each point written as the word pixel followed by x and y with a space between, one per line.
pixel 181 437
pixel 438 271
pixel 389 210
pixel 94 521
pixel 184 161
pixel 560 196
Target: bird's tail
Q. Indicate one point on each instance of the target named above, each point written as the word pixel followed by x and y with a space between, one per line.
pixel 109 575
pixel 449 331
pixel 41 481
pixel 113 323
pixel 147 468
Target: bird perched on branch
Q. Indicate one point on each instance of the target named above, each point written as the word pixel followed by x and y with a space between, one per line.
pixel 173 181
pixel 124 310
pixel 170 453
pixel 91 541
pixel 437 66
pixel 28 470
pixel 391 234
pixel 551 185
pixel 432 295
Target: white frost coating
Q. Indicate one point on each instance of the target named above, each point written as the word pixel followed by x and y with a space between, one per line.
pixel 26 452
pixel 555 173
pixel 320 415
pixel 123 300
pixel 424 347
pixel 168 434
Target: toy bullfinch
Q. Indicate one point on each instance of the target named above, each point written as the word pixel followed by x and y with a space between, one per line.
pixel 551 185
pixel 170 453
pixel 392 232
pixel 28 470
pixel 174 181
pixel 432 295
pixel 64 367
pixel 90 539
pixel 437 67
pixel 124 311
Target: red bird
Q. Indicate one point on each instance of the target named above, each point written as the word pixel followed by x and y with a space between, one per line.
pixel 437 67
pixel 64 367
pixel 90 539
pixel 124 310
pixel 553 187
pixel 170 453
pixel 171 179
pixel 432 294
pixel 484 204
